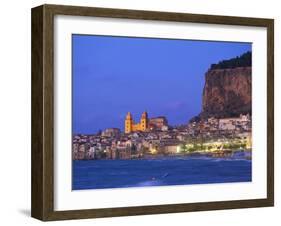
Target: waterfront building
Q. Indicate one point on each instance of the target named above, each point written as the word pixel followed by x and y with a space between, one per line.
pixel 90 153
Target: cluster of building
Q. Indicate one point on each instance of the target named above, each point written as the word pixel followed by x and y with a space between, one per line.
pixel 153 137
pixel 230 127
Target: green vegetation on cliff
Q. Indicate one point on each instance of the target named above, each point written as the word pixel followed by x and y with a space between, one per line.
pixel 245 60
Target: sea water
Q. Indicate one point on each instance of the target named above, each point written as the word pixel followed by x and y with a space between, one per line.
pixel 97 174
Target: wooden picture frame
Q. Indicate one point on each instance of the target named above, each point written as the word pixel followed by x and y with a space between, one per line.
pixel 42 205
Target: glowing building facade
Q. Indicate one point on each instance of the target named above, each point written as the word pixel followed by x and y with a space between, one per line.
pixel 130 126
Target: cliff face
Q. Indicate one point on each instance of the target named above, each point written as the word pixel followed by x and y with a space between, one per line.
pixel 227 92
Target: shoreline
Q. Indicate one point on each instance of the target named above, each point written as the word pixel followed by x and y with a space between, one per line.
pixel 226 154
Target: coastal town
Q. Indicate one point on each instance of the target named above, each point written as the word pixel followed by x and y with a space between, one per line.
pixel 223 128
pixel 154 137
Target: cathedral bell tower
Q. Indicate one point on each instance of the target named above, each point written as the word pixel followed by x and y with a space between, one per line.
pixel 128 123
pixel 144 121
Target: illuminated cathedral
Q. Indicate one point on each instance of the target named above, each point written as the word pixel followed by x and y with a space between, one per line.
pixel 130 126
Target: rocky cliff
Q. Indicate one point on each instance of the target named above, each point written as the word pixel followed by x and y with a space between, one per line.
pixel 227 92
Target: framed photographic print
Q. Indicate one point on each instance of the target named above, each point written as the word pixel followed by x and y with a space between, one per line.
pixel 141 112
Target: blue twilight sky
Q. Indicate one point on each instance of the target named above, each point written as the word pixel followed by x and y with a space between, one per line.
pixel 114 75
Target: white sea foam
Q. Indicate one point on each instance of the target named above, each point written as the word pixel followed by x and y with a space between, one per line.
pixel 149 183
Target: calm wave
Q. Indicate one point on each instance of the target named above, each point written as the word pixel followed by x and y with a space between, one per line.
pixel 99 174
